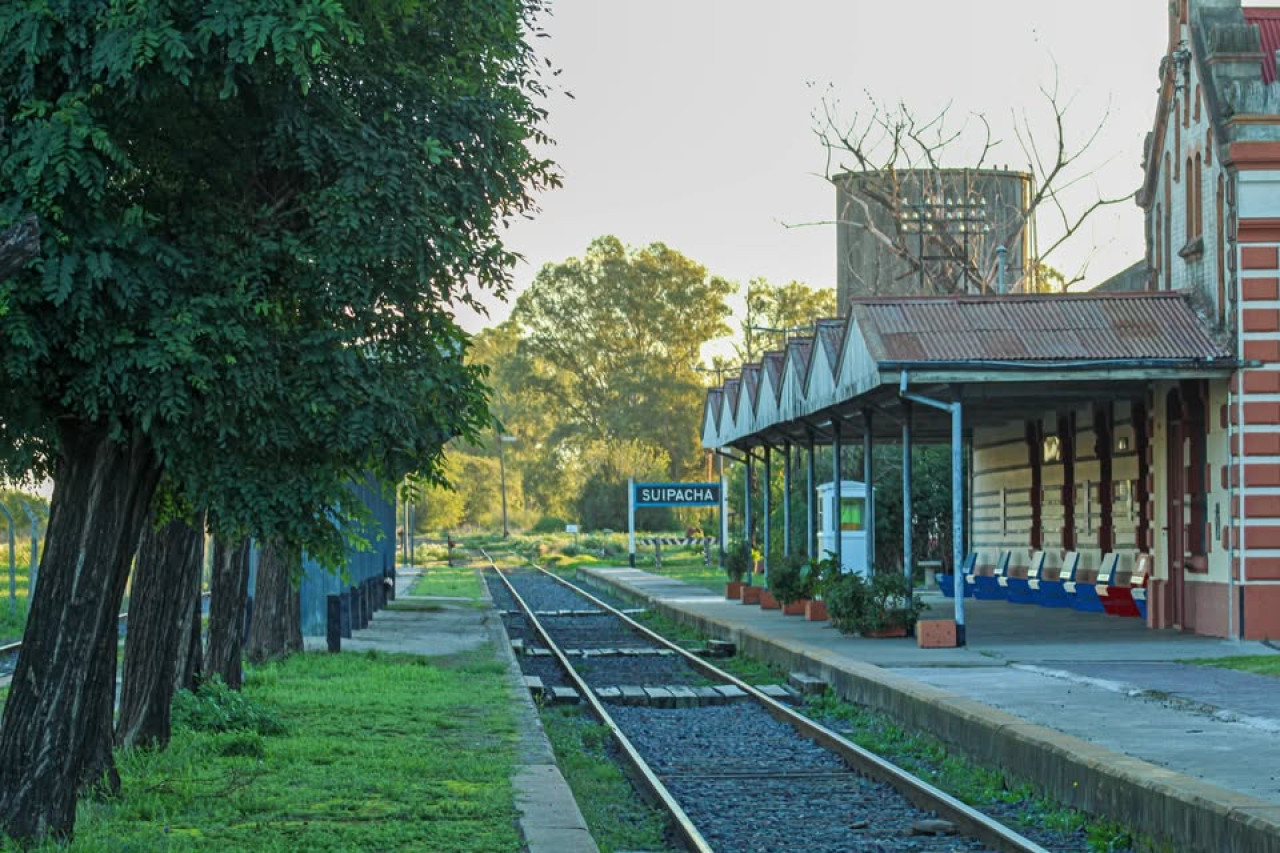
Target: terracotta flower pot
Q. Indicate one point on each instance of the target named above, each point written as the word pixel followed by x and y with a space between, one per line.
pixel 815 611
pixel 795 608
pixel 733 590
pixel 751 595
pixel 768 602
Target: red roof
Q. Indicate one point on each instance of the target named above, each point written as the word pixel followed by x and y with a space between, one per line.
pixel 1268 21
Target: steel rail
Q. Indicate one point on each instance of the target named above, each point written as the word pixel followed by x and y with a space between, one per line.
pixel 643 773
pixel 974 823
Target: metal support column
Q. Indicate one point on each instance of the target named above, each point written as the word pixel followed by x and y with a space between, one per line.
pixel 746 515
pixel 836 477
pixel 868 477
pixel 908 557
pixel 957 491
pixel 767 509
pixel 786 499
pixel 957 512
pixel 811 517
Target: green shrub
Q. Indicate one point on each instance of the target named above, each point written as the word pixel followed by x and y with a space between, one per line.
pixel 847 599
pixel 737 560
pixel 857 605
pixel 215 707
pixel 549 524
pixel 789 579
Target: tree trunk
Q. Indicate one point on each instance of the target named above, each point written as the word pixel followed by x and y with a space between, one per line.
pixel 187 668
pixel 276 628
pixel 166 577
pixel 229 591
pixel 59 707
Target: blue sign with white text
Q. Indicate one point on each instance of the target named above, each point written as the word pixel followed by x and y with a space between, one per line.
pixel 677 494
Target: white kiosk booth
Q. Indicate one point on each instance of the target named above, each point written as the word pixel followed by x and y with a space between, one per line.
pixel 852 524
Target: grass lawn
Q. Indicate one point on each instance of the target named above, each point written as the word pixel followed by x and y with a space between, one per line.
pixel 1257 664
pixel 379 752
pixel 459 581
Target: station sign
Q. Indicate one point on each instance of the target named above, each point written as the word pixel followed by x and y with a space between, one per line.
pixel 677 494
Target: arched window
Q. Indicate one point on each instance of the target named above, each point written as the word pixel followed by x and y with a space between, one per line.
pixel 1189 201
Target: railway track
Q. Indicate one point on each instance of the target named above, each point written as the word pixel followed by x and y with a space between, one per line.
pixel 734 768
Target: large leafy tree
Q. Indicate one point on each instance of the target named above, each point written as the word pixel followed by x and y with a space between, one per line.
pixel 250 217
pixel 773 312
pixel 611 339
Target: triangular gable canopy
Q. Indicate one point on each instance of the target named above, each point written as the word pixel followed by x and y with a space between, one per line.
pixel 713 409
pixel 1007 354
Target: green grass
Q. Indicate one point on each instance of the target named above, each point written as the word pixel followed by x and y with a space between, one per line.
pixel 1257 664
pixel 615 814
pixel 380 752
pixel 460 581
pixel 923 755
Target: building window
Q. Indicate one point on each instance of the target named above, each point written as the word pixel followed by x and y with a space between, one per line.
pixel 1189 199
pixel 1219 248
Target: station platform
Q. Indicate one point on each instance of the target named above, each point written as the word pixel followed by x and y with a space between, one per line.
pixel 1099 711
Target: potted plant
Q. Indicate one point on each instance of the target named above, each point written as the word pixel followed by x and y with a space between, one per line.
pixel 893 608
pixel 846 597
pixel 821 573
pixel 789 581
pixel 883 606
pixel 737 561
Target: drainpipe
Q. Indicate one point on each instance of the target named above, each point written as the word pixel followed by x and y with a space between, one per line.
pixel 1234 631
pixel 957 493
pixel 1002 260
pixel 908 557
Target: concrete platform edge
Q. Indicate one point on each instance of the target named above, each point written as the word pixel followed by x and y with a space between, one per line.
pixel 550 820
pixel 1193 815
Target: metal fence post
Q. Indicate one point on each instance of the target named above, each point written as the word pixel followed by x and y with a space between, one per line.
pixel 345 615
pixel 333 622
pixel 35 551
pixel 13 569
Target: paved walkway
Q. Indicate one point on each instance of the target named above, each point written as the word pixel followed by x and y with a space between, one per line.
pixel 550 820
pixel 1101 711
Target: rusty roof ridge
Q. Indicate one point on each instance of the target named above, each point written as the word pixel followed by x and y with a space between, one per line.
pixel 1050 364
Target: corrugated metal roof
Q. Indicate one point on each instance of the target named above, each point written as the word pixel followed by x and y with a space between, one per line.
pixel 731 394
pixel 1268 21
pixel 800 350
pixel 830 332
pixel 750 382
pixel 1057 327
pixel 773 364
pixel 715 404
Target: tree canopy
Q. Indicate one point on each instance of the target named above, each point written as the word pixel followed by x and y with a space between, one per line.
pixel 252 217
pixel 612 338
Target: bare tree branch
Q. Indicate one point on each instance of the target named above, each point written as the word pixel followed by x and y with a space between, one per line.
pixel 19 243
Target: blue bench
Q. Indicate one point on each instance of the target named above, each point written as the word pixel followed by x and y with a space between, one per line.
pixel 1051 592
pixel 1083 592
pixel 987 586
pixel 1018 587
pixel 947 583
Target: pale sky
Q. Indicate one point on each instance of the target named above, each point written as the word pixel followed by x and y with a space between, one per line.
pixel 692 120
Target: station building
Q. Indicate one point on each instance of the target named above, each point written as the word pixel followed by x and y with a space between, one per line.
pixel 1135 423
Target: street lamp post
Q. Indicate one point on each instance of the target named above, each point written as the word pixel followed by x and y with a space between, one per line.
pixel 502 474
